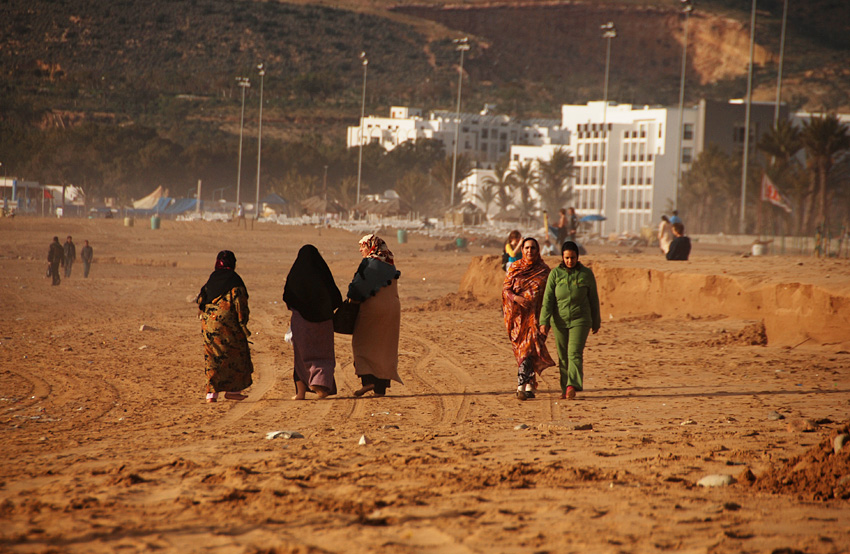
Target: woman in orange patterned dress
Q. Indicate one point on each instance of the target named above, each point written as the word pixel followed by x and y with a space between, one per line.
pixel 522 297
pixel 223 305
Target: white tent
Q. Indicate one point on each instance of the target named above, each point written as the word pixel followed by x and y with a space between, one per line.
pixel 149 201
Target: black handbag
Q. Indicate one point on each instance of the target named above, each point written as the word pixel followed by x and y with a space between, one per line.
pixel 345 318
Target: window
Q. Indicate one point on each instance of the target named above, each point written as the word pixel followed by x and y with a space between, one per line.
pixel 738 134
pixel 483 146
pixel 687 155
pixel 484 133
pixel 688 132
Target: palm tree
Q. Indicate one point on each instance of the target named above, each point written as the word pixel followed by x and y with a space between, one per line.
pixel 709 190
pixel 442 172
pixel 823 138
pixel 553 184
pixel 498 186
pixel 524 179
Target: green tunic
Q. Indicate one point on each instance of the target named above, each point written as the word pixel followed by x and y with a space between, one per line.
pixel 571 309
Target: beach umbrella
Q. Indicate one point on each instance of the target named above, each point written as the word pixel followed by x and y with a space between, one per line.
pixel 593 217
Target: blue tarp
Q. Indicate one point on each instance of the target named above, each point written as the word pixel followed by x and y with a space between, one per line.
pixel 180 206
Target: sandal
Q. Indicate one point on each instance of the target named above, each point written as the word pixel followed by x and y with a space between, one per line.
pixel 212 397
pixel 235 396
pixel 363 390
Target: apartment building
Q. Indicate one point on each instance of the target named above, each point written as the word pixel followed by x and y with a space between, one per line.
pixel 484 137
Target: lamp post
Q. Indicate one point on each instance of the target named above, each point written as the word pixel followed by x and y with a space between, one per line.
pixel 244 83
pixel 687 8
pixel 608 32
pixel 365 62
pixel 781 59
pixel 262 69
pixel 742 225
pixel 462 46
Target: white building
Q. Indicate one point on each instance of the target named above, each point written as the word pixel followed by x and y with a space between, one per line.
pixel 625 158
pixel 484 138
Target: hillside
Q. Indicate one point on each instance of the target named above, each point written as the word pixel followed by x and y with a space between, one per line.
pixel 170 67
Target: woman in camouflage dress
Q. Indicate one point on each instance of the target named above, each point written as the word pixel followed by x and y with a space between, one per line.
pixel 223 304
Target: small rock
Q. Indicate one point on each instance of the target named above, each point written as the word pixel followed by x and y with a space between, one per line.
pixel 688 422
pixel 716 480
pixel 839 442
pixel 801 426
pixel 284 435
pixel 67 349
pixel 389 426
pixel 520 427
pixel 143 347
pixel 363 440
pixel 775 416
pixel 146 328
pixel 583 427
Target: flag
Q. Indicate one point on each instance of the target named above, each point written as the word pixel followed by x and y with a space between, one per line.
pixel 769 193
pixel 48 195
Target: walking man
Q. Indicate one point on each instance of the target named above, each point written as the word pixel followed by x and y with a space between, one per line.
pixel 70 255
pixel 55 257
pixel 86 254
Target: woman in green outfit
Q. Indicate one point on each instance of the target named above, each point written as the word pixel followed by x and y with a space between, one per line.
pixel 571 306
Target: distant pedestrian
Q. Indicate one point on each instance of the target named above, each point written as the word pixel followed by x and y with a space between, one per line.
pixel 665 234
pixel 675 217
pixel 70 252
pixel 55 257
pixel 680 248
pixel 240 216
pixel 86 254
pixel 572 224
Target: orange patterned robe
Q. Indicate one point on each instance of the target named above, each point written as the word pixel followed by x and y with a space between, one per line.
pixel 527 280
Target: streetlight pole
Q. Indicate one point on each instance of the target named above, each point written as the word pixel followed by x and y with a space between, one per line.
pixel 462 46
pixel 742 225
pixel 262 69
pixel 244 83
pixel 608 32
pixel 365 62
pixel 781 59
pixel 687 8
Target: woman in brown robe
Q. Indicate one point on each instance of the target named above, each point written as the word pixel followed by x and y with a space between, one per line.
pixel 223 305
pixel 522 298
pixel 376 333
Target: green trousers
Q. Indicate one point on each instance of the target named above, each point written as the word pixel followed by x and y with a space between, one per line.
pixel 571 355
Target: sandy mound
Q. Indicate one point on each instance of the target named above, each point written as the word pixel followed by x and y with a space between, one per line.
pixel 751 335
pixel 792 313
pixel 819 474
pixel 457 301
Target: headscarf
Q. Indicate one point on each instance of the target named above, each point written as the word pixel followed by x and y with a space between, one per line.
pixel 222 280
pixel 378 249
pixel 523 270
pixel 310 288
pixel 225 260
pixel 572 247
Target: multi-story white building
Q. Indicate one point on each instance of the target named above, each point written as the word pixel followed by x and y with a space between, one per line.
pixel 625 159
pixel 484 138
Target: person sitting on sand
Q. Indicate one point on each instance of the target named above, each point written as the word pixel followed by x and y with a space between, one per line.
pixel 311 295
pixel 512 249
pixel 680 248
pixel 223 305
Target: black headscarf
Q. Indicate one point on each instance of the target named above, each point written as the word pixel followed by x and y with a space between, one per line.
pixel 310 288
pixel 222 280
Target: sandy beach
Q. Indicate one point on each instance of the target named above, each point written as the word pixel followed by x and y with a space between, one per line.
pixel 722 365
